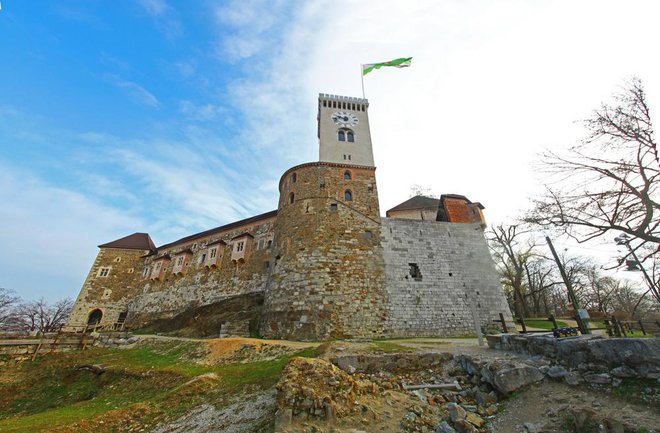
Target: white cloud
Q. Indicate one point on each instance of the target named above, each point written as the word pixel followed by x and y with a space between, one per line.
pixel 154 7
pixel 135 91
pixel 50 235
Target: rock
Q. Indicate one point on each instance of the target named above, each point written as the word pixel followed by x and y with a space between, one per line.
pixel 616 382
pixel 484 399
pixel 533 427
pixel 613 426
pixel 133 340
pixel 557 372
pixel 582 416
pixel 544 369
pixel 462 426
pixel 599 378
pixel 511 379
pixel 572 379
pixel 623 372
pixel 456 412
pixel 283 417
pixel 444 428
pixel 350 369
pixel 474 419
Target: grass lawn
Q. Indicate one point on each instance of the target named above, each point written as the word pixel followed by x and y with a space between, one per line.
pixel 543 324
pixel 140 387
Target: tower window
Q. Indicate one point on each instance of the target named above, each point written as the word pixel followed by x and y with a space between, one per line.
pixel 348 195
pixel 333 207
pixel 341 136
pixel 415 272
pixel 292 197
pixel 347 175
pixel 294 177
pixel 349 137
pixel 325 104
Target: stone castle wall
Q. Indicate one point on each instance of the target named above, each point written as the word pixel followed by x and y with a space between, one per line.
pixel 328 275
pixel 201 284
pixel 111 293
pixel 455 270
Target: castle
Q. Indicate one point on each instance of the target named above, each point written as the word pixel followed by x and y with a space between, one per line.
pixel 327 264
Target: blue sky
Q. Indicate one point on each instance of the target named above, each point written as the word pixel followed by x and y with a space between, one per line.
pixel 173 117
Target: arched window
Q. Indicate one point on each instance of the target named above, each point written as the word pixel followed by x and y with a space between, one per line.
pixel 347 175
pixel 291 198
pixel 349 137
pixel 294 177
pixel 94 317
pixel 348 195
pixel 341 136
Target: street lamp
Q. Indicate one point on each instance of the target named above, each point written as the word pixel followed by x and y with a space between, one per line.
pixel 624 239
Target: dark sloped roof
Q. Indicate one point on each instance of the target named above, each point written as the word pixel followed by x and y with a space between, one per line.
pixel 417 202
pixel 136 241
pixel 242 235
pixel 221 229
pixel 455 196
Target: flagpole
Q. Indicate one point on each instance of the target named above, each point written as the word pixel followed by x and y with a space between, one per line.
pixel 362 79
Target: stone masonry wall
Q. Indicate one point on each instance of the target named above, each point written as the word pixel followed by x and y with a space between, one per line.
pixel 200 284
pixel 328 276
pixel 456 270
pixel 110 293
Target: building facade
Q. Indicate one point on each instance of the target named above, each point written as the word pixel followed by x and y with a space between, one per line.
pixel 328 265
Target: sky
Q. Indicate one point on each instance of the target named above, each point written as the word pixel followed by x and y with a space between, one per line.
pixel 173 117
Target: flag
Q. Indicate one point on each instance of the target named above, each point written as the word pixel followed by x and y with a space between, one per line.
pixel 403 62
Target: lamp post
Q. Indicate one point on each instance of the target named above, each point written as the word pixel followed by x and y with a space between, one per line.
pixel 624 239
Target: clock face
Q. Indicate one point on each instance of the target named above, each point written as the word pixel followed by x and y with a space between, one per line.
pixel 344 119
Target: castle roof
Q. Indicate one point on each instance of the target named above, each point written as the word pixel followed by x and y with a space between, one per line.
pixel 417 202
pixel 136 241
pixel 224 228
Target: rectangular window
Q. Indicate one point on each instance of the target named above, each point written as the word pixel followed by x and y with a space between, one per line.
pixel 104 272
pixel 333 207
pixel 415 272
pixel 157 266
pixel 270 244
pixel 179 261
pixel 240 246
pixel 145 272
pixel 213 253
pixel 202 259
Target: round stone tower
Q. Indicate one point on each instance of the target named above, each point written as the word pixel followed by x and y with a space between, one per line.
pixel 327 279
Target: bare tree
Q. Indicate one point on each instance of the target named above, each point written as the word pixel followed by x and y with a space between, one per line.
pixel 512 248
pixel 8 300
pixel 41 316
pixel 610 182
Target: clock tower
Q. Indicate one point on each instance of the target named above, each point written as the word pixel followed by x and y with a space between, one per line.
pixel 343 130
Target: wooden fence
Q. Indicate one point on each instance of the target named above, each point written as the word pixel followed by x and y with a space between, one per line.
pixel 611 325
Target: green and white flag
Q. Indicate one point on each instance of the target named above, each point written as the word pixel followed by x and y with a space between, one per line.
pixel 403 62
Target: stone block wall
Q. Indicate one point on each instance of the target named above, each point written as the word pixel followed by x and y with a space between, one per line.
pixel 456 270
pixel 201 284
pixel 328 274
pixel 109 293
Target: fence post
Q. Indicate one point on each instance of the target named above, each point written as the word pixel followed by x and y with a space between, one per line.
pixel 608 328
pixel 506 330
pixel 524 327
pixel 617 328
pixel 554 321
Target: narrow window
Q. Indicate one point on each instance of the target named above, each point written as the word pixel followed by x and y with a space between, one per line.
pixel 341 136
pixel 203 258
pixel 270 244
pixel 333 207
pixel 348 195
pixel 213 253
pixel 347 175
pixel 349 137
pixel 344 156
pixel 349 157
pixel 325 103
pixel 261 244
pixel 240 246
pixel 415 272
pixel 292 197
pixel 294 177
pixel 118 259
pixel 145 272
